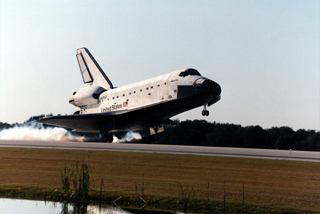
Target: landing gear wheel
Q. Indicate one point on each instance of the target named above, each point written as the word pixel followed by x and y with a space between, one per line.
pixel 146 140
pixel 205 113
pixel 107 138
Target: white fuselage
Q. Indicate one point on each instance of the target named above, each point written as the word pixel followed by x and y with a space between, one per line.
pixel 144 93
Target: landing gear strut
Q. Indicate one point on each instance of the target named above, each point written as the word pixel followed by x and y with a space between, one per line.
pixel 205 112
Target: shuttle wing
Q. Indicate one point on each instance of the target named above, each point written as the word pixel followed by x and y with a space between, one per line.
pixel 115 121
pixel 87 122
pixel 91 71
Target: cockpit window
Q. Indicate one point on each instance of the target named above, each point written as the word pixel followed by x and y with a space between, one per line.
pixel 189 71
pixel 193 72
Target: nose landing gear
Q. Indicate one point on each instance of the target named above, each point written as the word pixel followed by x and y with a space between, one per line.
pixel 205 112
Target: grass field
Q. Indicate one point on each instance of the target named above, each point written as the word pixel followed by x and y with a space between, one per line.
pixel 279 185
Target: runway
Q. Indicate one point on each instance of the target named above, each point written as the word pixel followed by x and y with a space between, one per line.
pixel 172 149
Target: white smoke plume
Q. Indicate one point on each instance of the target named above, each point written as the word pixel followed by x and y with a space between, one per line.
pixel 130 136
pixel 36 131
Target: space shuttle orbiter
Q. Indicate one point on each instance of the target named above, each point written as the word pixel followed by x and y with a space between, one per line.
pixel 145 106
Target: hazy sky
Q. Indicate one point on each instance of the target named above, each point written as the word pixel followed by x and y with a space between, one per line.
pixel 264 54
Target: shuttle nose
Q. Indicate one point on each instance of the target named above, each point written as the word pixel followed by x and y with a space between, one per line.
pixel 212 87
pixel 216 89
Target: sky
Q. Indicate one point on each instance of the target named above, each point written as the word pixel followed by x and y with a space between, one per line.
pixel 264 54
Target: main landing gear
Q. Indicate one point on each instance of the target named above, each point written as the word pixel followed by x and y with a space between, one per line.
pixel 147 138
pixel 107 138
pixel 205 112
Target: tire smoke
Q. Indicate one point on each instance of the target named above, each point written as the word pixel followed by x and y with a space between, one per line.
pixel 128 137
pixel 36 131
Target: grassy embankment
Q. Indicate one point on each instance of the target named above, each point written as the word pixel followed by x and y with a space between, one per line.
pixel 269 185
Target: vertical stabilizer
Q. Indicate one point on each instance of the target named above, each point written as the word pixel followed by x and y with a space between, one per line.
pixel 91 71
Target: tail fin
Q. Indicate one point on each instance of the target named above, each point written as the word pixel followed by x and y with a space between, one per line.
pixel 91 71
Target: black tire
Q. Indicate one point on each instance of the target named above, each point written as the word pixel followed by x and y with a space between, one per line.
pixel 109 139
pixel 146 140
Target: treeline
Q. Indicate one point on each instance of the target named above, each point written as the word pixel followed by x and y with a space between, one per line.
pixel 4 125
pixel 203 133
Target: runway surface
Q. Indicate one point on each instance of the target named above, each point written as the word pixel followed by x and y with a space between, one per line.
pixel 173 149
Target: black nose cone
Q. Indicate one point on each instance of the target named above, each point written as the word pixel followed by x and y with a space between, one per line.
pixel 216 89
pixel 211 87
